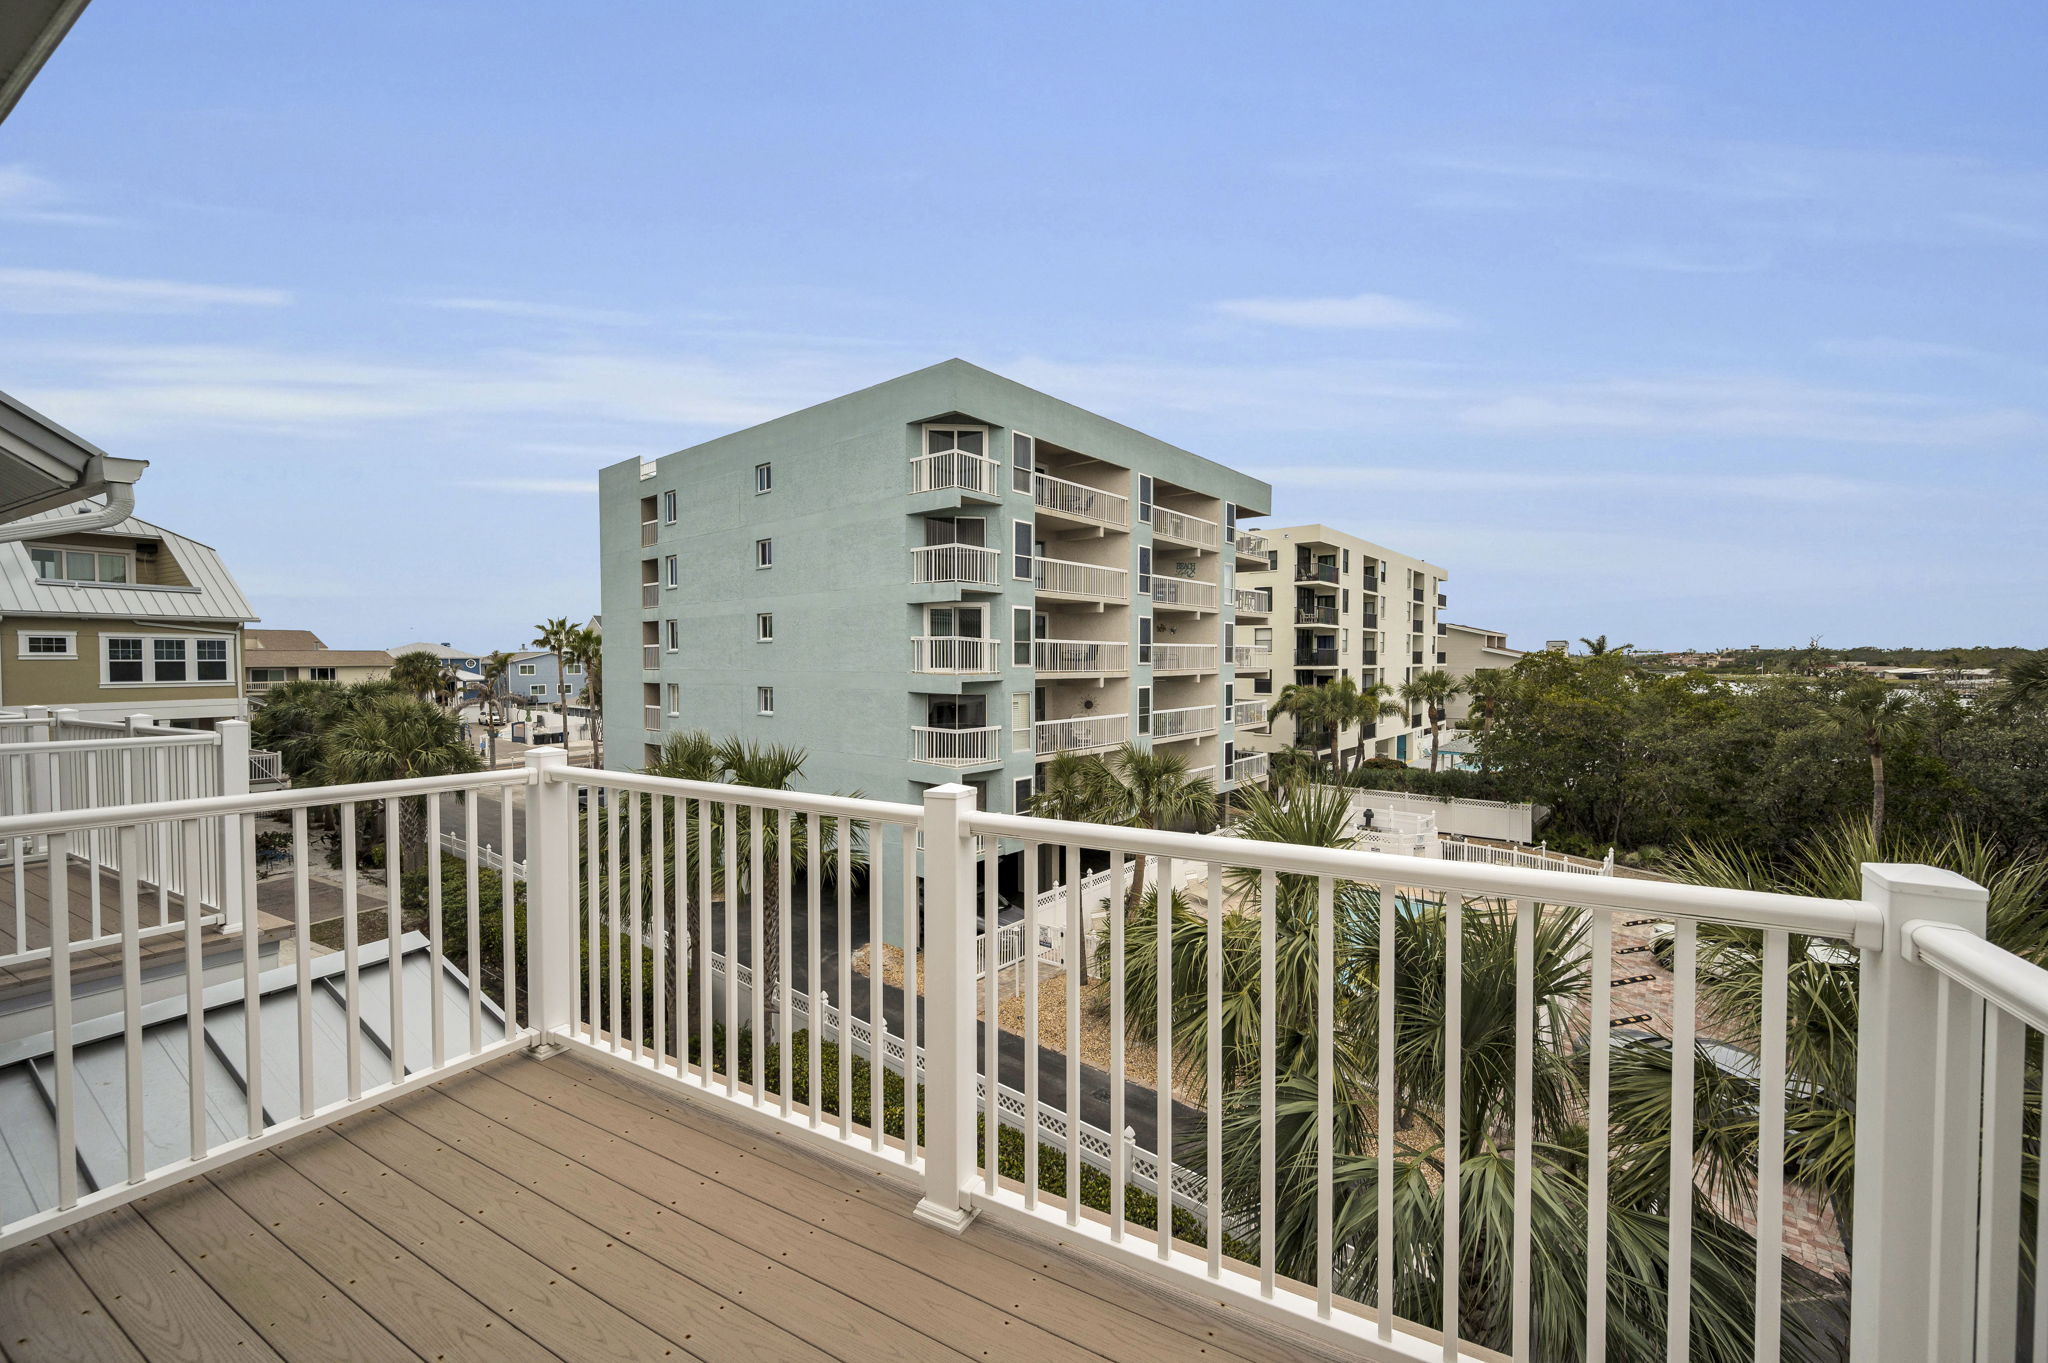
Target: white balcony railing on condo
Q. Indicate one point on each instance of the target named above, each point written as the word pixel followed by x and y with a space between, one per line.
pixel 1253 600
pixel 1081 502
pixel 1943 1024
pixel 1081 657
pixel 1083 733
pixel 970 564
pixel 1184 593
pixel 1251 656
pixel 1248 714
pixel 1183 528
pixel 1189 721
pixel 956 471
pixel 650 657
pixel 956 747
pixel 1250 545
pixel 1184 657
pixel 1088 581
pixel 650 718
pixel 954 655
pixel 650 595
pixel 1249 766
pixel 1207 773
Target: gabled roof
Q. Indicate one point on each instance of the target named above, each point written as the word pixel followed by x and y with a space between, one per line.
pixel 214 594
pixel 303 648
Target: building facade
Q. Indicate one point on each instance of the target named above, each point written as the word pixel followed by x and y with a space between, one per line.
pixel 1469 649
pixel 273 656
pixel 1346 607
pixel 537 680
pixel 948 576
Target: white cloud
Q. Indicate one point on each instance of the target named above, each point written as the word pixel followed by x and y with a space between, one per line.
pixel 540 312
pixel 1359 312
pixel 27 197
pixel 551 487
pixel 1799 488
pixel 69 292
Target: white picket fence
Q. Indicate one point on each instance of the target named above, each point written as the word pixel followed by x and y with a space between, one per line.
pixel 1528 858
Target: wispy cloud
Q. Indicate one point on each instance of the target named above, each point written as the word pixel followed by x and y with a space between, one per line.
pixel 539 487
pixel 540 312
pixel 68 292
pixel 1357 312
pixel 28 197
pixel 1794 488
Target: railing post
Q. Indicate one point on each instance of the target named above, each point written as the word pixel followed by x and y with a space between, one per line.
pixel 949 1009
pixel 1919 1079
pixel 551 952
pixel 238 852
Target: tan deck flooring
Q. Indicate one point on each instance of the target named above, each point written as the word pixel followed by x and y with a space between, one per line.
pixel 547 1209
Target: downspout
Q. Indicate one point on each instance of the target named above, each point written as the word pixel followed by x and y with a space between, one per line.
pixel 116 475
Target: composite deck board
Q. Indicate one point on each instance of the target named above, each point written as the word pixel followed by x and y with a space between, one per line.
pixel 529 1210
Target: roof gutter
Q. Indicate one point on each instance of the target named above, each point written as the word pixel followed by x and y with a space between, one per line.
pixel 117 476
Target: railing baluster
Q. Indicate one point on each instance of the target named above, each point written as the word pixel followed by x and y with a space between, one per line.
pixel 1684 1027
pixel 700 942
pixel 1326 1091
pixel 1770 1153
pixel 1528 914
pixel 1076 956
pixel 473 911
pixel 991 1027
pixel 732 950
pixel 1269 1058
pixel 629 807
pixel 785 827
pixel 1998 1227
pixel 593 891
pixel 241 835
pixel 129 850
pixel 1027 974
pixel 1119 1148
pixel 757 957
pixel 615 973
pixel 394 921
pixel 1599 1012
pixel 906 843
pixel 878 1022
pixel 2040 1304
pixel 1162 1021
pixel 814 1053
pixel 844 887
pixel 657 922
pixel 351 955
pixel 437 954
pixel 508 914
pixel 1454 1097
pixel 1213 1184
pixel 302 951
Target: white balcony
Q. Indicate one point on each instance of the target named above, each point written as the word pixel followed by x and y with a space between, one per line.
pixel 1183 593
pixel 650 718
pixel 1182 528
pixel 1248 714
pixel 1079 502
pixel 650 595
pixel 1253 600
pixel 1250 766
pixel 1250 545
pixel 1195 658
pixel 1080 581
pixel 650 657
pixel 956 747
pixel 1081 657
pixel 955 656
pixel 1207 773
pixel 968 564
pixel 1189 721
pixel 1084 733
pixel 1250 657
pixel 649 532
pixel 956 471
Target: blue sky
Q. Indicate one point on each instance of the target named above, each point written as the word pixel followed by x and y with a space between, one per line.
pixel 1687 325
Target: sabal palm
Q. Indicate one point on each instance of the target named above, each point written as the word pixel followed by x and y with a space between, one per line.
pixel 497 670
pixel 1877 715
pixel 585 648
pixel 557 636
pixel 396 738
pixel 1314 716
pixel 1433 691
pixel 1154 790
pixel 2023 684
pixel 1294 766
pixel 418 672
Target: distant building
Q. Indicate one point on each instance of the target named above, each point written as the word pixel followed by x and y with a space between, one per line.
pixel 271 656
pixel 536 679
pixel 1469 649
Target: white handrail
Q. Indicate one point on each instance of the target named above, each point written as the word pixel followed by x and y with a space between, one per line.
pixel 1080 501
pixel 969 563
pixel 1094 581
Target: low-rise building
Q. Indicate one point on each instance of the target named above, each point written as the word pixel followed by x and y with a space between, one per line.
pixel 1467 650
pixel 271 656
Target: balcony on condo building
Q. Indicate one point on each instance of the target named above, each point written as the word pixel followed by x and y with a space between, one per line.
pixel 955 656
pixel 1183 594
pixel 1080 733
pixel 969 565
pixel 1187 721
pixel 1183 659
pixel 1066 579
pixel 1253 600
pixel 1081 658
pixel 1062 500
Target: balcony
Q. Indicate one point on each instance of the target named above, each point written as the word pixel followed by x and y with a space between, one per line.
pixel 650 718
pixel 1316 572
pixel 650 657
pixel 1179 527
pixel 1192 658
pixel 1083 733
pixel 968 564
pixel 956 747
pixel 1418 593
pixel 957 471
pixel 1315 615
pixel 1248 714
pixel 1249 766
pixel 1251 656
pixel 1253 600
pixel 1189 721
pixel 649 532
pixel 1079 502
pixel 1251 546
pixel 1081 657
pixel 1370 620
pixel 955 656
pixel 1370 658
pixel 1184 593
pixel 1315 657
pixel 369 1161
pixel 1080 581
pixel 650 595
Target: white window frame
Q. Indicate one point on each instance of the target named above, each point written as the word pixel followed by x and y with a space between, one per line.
pixel 672 633
pixel 529 669
pixel 671 572
pixel 764 553
pixel 69 636
pixel 764 700
pixel 764 478
pixel 231 665
pixel 764 627
pixel 573 669
pixel 668 507
pixel 127 557
pixel 675 698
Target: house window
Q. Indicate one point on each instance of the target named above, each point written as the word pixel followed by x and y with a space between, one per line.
pixel 673 575
pixel 320 673
pixel 169 660
pixel 1022 451
pixel 674 635
pixel 1020 636
pixel 574 669
pixel 124 660
pixel 764 627
pixel 764 553
pixel 764 478
pixel 527 669
pixel 79 565
pixel 211 657
pixel 764 699
pixel 668 507
pixel 266 674
pixel 49 645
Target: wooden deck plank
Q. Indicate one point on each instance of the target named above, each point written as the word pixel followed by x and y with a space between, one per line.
pixel 643 1284
pixel 404 1292
pixel 551 1307
pixel 49 1315
pixel 146 1288
pixel 298 1312
pixel 1115 1307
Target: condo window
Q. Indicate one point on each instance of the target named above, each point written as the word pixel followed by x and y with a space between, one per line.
pixel 764 553
pixel 1020 636
pixel 764 627
pixel 1023 792
pixel 1144 638
pixel 675 698
pixel 1145 497
pixel 674 635
pixel 668 507
pixel 1022 546
pixel 1144 570
pixel 945 439
pixel 49 645
pixel 764 478
pixel 79 565
pixel 764 699
pixel 1144 709
pixel 1023 450
pixel 672 570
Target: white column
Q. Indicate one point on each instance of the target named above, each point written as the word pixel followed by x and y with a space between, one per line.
pixel 949 1009
pixel 238 844
pixel 551 947
pixel 1916 1157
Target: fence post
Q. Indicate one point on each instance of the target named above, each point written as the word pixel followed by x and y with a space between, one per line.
pixel 1915 1214
pixel 551 951
pixel 238 848
pixel 949 1009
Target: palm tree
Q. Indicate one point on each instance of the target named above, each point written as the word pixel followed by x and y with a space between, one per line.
pixel 1079 789
pixel 1294 766
pixel 1351 703
pixel 1488 688
pixel 496 671
pixel 2023 684
pixel 1154 790
pixel 396 738
pixel 1598 647
pixel 1433 690
pixel 418 672
pixel 769 767
pixel 558 636
pixel 1314 720
pixel 1877 715
pixel 586 649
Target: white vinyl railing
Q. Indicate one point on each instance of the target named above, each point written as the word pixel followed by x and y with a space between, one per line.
pixel 1184 592
pixel 956 470
pixel 1081 502
pixel 1532 858
pixel 1087 733
pixel 956 747
pixel 678 931
pixel 1253 600
pixel 1248 714
pixel 954 654
pixel 1081 657
pixel 1183 658
pixel 1088 581
pixel 1249 766
pixel 1188 721
pixel 966 563
pixel 1250 545
pixel 1184 528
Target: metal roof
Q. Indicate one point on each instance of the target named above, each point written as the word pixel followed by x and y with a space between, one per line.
pixel 214 595
pixel 28 1124
pixel 29 32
